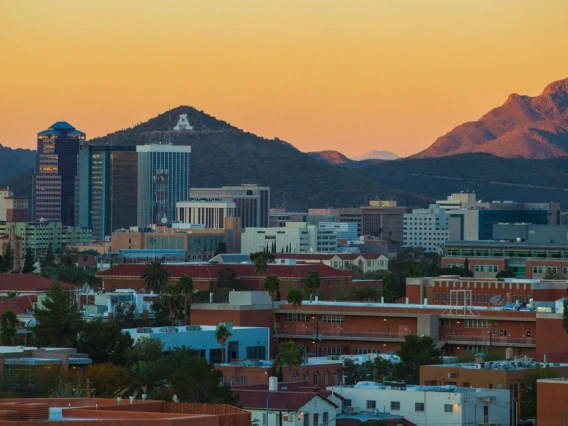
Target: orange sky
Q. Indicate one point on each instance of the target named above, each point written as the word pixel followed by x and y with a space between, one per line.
pixel 322 74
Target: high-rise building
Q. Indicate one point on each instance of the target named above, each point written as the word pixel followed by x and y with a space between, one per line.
pixel 252 202
pixel 53 186
pixel 383 219
pixel 427 228
pixel 107 187
pixel 163 180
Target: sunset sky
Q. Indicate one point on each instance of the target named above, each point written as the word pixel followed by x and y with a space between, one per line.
pixel 322 74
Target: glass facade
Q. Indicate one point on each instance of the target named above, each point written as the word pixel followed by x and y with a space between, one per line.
pixel 163 180
pixel 107 182
pixel 53 191
pixel 488 218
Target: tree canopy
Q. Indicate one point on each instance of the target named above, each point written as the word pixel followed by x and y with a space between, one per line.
pixel 155 276
pixel 104 342
pixel 414 352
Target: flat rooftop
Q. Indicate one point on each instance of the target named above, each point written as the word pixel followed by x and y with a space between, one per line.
pixel 183 329
pixel 374 386
pixel 520 364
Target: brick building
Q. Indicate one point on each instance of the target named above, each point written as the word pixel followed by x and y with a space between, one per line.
pixel 334 282
pixel 552 401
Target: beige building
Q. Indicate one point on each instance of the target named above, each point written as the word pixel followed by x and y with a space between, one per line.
pixel 198 242
pixel 383 219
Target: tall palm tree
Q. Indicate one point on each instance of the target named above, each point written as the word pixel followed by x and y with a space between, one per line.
pixel 313 282
pixel 8 328
pixel 295 298
pixel 272 287
pixel 260 265
pixel 222 334
pixel 140 377
pixel 155 275
pixel 172 298
pixel 291 355
pixel 185 285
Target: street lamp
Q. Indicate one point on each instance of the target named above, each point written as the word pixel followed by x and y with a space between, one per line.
pixel 491 333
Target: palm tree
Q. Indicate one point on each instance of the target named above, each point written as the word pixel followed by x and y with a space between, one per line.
pixel 155 275
pixel 272 286
pixel 260 265
pixel 185 285
pixel 295 298
pixel 140 377
pixel 180 353
pixel 173 299
pixel 222 334
pixel 313 282
pixel 291 355
pixel 8 328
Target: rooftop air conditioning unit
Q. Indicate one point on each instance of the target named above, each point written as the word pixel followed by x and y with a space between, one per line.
pixel 477 367
pixel 147 330
pixel 164 329
pixel 140 330
pixel 193 328
pixel 352 410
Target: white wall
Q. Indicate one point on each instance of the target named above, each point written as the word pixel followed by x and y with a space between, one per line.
pixel 467 405
pixel 255 239
pixel 316 405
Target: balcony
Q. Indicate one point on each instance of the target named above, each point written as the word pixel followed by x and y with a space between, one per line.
pixel 342 335
pixel 495 341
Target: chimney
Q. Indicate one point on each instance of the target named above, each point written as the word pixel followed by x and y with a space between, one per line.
pixel 273 383
pixel 317 299
pixel 545 359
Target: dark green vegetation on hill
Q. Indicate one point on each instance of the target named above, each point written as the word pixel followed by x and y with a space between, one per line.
pixel 14 161
pixel 225 155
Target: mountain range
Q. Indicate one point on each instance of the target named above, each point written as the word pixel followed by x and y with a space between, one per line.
pixel 222 154
pixel 523 127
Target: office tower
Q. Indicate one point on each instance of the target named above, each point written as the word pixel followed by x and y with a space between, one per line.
pixel 383 219
pixel 427 228
pixel 53 190
pixel 163 180
pixel 252 202
pixel 107 187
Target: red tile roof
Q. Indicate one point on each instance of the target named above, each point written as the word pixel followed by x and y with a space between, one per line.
pixel 28 283
pixel 242 270
pixel 322 256
pixel 19 305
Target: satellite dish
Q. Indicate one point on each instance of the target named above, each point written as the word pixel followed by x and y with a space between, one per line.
pixel 164 220
pixel 495 299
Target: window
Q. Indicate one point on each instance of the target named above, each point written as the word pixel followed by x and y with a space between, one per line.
pixel 479 268
pixel 332 318
pixel 243 380
pixel 492 268
pixel 371 405
pixel 443 297
pixel 316 378
pixel 448 408
pixel 551 269
pixel 326 378
pixel 256 352
pixel 298 318
pixel 295 377
pixel 486 298
pixel 395 405
pixel 264 420
pixel 485 413
pixel 537 269
pixel 437 297
pixel 316 419
pixel 325 417
pixel 419 407
pixel 306 419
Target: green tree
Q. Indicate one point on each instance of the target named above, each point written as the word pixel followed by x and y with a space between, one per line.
pixel 8 328
pixel 185 285
pixel 48 260
pixel 364 294
pixel 28 262
pixel 312 282
pixel 390 288
pixel 145 349
pixel 260 265
pixel 506 274
pixel 59 321
pixel 11 295
pixel 68 256
pixel 269 257
pixel 7 264
pixel 272 287
pixel 198 381
pixel 104 342
pixel 289 355
pixel 529 405
pixel 142 377
pixel 466 266
pixel 414 352
pixel 104 379
pixel 173 300
pixel 295 298
pixel 179 354
pixel 415 269
pixel 221 248
pixel 222 334
pixel 155 276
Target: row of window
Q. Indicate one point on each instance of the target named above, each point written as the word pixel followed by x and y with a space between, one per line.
pixel 554 269
pixel 306 421
pixel 479 298
pixel 418 406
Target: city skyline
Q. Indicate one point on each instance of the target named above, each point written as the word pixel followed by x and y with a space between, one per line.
pixel 321 75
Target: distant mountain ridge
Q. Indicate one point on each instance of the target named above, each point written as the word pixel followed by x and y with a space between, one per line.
pixel 376 155
pixel 523 127
pixel 336 158
pixel 14 161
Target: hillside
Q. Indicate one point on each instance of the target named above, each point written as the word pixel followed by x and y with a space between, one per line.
pixel 330 157
pixel 523 127
pixel 225 155
pixel 491 177
pixel 376 155
pixel 14 161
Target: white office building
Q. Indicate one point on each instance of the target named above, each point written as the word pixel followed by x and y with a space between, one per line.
pixel 428 405
pixel 208 212
pixel 343 230
pixel 427 228
pixel 457 201
pixel 284 240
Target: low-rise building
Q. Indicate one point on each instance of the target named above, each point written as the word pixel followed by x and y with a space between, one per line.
pixel 366 262
pixel 244 343
pixel 209 212
pixel 428 405
pixel 343 230
pixel 294 404
pixel 552 400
